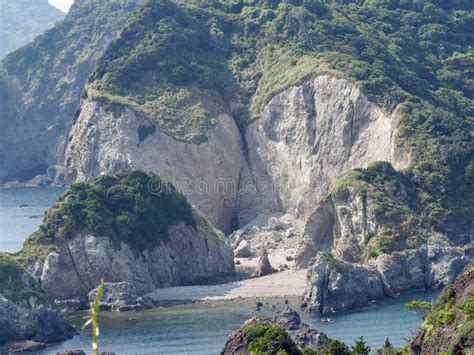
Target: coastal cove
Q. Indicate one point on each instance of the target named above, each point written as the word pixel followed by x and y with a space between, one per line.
pixel 202 328
pixel 179 328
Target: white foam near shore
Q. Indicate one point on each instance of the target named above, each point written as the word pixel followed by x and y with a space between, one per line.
pixel 290 283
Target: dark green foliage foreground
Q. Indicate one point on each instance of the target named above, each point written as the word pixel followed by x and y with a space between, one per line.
pixel 130 206
pixel 265 338
pixel 181 63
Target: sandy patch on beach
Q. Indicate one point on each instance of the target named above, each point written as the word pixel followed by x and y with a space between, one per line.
pixel 290 283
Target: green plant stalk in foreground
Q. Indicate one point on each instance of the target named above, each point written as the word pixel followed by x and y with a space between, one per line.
pixel 94 319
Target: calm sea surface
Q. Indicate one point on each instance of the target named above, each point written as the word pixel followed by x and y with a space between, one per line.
pixel 203 329
pixel 17 223
pixel 195 328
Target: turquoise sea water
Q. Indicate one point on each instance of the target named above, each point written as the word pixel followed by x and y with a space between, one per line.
pixel 195 328
pixel 203 328
pixel 18 223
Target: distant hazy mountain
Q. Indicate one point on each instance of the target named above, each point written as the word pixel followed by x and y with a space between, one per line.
pixel 23 20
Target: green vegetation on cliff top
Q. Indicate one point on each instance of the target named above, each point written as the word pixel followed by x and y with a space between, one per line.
pixel 265 338
pixel 133 207
pixel 181 63
pixel 394 200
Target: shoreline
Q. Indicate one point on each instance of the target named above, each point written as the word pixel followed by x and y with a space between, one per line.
pixel 289 283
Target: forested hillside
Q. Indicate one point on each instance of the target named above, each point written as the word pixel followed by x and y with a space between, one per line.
pixel 22 20
pixel 178 63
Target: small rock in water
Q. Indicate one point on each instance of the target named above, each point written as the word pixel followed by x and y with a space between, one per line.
pixel 23 205
pixel 72 352
pixel 289 319
pixel 311 338
pixel 24 346
pixel 121 297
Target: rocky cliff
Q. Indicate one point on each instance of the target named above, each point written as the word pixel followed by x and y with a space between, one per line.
pixel 119 228
pixel 41 85
pixel 255 109
pixel 208 173
pixel 308 135
pixel 26 311
pixel 370 243
pixel 449 326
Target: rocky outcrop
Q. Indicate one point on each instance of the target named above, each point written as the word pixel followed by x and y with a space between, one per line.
pixel 120 297
pixel 288 319
pixel 263 266
pixel 336 285
pixel 307 135
pixel 449 327
pixel 26 311
pixel 279 334
pixel 207 174
pixel 188 256
pixel 40 96
pixel 163 241
pixel 370 243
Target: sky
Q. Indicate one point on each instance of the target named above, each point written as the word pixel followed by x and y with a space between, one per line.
pixel 62 5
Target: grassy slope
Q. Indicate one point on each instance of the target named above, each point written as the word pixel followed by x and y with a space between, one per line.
pixel 179 63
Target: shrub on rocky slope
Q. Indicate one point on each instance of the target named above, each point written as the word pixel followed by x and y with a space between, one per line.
pixel 449 326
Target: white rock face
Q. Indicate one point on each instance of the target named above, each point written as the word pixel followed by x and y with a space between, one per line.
pixel 208 173
pixel 348 277
pixel 307 136
pixel 187 256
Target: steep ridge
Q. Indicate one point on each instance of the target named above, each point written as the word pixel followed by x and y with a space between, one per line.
pixel 41 84
pixel 22 21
